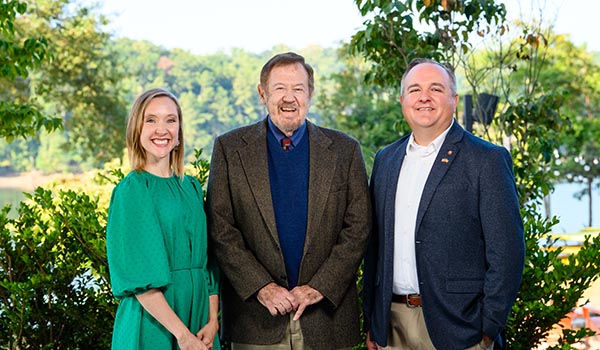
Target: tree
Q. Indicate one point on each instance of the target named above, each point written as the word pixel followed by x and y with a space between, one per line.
pixel 81 84
pixel 579 159
pixel 390 39
pixel 20 115
pixel 559 69
pixel 576 73
pixel 75 79
pixel 368 89
pixel 365 111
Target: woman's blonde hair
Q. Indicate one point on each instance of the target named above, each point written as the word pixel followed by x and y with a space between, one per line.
pixel 135 123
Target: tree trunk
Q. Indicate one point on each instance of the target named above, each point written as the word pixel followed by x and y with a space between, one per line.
pixel 590 199
pixel 547 206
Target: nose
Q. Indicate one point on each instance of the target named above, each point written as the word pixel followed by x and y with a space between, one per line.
pixel 424 96
pixel 161 128
pixel 289 96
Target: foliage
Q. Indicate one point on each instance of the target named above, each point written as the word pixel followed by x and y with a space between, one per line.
pixel 201 169
pixel 579 159
pixel 217 92
pixel 54 291
pixel 97 77
pixel 368 89
pixel 391 38
pixel 76 82
pixel 81 85
pixel 20 116
pixel 365 111
pixel 546 66
pixel 534 125
pixel 552 286
pixel 577 73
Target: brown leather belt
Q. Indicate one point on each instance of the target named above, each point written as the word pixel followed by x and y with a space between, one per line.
pixel 411 300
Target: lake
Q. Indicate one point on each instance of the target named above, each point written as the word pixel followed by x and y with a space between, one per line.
pixel 13 197
pixel 573 213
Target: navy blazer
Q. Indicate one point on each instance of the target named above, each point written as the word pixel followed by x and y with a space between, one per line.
pixel 468 240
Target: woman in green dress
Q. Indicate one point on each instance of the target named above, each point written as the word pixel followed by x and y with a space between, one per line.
pixel 156 240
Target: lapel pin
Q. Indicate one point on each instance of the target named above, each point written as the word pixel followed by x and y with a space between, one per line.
pixel 444 160
pixel 450 153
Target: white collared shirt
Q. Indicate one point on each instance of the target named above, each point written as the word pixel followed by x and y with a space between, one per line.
pixel 416 166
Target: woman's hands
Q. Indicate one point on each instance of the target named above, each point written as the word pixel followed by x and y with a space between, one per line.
pixel 189 341
pixel 208 333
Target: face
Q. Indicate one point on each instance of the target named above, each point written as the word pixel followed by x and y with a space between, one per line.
pixel 428 103
pixel 160 130
pixel 286 96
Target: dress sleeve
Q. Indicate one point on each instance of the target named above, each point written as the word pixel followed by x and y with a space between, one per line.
pixel 137 256
pixel 214 275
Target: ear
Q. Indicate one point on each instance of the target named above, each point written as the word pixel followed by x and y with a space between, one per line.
pixel 261 94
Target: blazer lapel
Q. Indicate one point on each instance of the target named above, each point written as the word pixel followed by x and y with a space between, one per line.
pixel 255 165
pixel 442 163
pixel 320 177
pixel 391 183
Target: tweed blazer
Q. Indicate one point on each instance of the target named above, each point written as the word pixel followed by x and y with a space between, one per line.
pixel 468 241
pixel 244 236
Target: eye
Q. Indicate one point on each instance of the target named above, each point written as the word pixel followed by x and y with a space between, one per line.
pixel 172 120
pixel 413 90
pixel 437 89
pixel 150 120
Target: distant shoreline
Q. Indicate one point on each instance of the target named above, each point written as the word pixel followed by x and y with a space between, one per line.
pixel 26 181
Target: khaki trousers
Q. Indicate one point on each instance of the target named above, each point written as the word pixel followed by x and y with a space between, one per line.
pixel 292 340
pixel 409 332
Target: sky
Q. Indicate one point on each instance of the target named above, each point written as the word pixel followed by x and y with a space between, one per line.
pixel 208 26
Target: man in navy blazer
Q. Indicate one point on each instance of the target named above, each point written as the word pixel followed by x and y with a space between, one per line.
pixel 446 256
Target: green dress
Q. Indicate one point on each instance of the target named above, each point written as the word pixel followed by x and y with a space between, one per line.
pixel 156 238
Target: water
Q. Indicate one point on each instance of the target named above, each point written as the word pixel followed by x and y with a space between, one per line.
pixel 573 213
pixel 13 197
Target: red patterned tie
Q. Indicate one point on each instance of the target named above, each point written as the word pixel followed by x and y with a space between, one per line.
pixel 286 142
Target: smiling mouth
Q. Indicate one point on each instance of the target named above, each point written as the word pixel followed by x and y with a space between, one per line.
pixel 287 108
pixel 160 142
pixel 425 109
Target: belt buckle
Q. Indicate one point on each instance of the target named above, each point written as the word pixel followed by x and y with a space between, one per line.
pixel 408 304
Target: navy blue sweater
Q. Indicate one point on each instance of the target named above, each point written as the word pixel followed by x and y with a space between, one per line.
pixel 288 175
